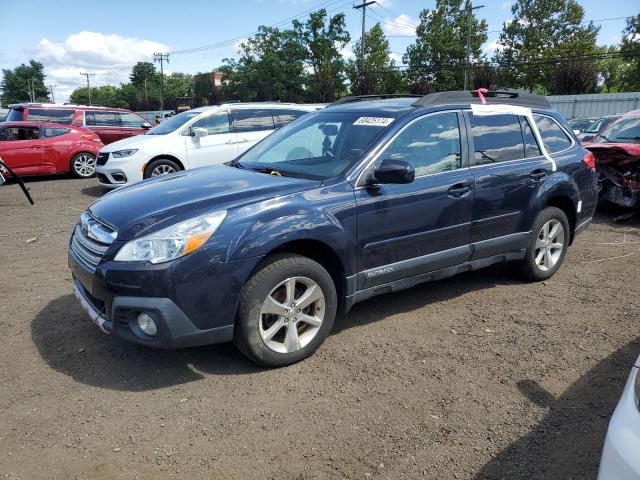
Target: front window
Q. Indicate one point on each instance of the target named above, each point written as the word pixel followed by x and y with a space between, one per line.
pixel 16 134
pixel 213 124
pixel 320 145
pixel 625 130
pixel 131 120
pixel 171 124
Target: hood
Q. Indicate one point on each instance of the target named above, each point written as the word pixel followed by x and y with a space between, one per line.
pixel 632 149
pixel 136 141
pixel 153 204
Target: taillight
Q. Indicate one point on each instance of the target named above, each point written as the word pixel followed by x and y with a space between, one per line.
pixel 93 138
pixel 589 160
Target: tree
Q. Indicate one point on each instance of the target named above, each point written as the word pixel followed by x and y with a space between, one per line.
pixel 541 36
pixel 106 96
pixel 380 74
pixel 437 58
pixel 573 77
pixel 204 90
pixel 17 84
pixel 484 76
pixel 630 48
pixel 323 38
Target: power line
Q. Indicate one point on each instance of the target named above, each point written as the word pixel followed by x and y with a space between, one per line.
pixel 161 57
pixel 363 6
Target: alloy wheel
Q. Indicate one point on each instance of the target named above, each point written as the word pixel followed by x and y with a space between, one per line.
pixel 84 165
pixel 292 314
pixel 162 169
pixel 549 245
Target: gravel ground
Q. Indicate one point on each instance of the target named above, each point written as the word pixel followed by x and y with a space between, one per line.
pixel 477 377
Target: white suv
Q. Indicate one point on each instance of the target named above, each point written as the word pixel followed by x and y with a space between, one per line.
pixel 195 138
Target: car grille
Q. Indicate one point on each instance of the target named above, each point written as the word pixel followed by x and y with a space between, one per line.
pixel 89 251
pixel 102 158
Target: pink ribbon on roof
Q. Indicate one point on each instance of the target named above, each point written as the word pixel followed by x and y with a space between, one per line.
pixel 481 92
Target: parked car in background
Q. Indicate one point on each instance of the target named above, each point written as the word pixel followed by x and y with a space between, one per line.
pixel 579 125
pixel 617 151
pixel 597 126
pixel 110 124
pixel 621 454
pixel 151 115
pixel 31 148
pixel 359 199
pixel 195 138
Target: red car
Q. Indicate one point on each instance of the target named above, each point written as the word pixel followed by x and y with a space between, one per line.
pixel 42 148
pixel 110 124
pixel 617 152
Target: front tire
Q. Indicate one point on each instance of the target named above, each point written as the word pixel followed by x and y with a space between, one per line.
pixel 162 166
pixel 83 165
pixel 286 310
pixel 548 245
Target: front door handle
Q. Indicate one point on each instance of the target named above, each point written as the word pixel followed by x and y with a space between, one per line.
pixel 538 175
pixel 459 190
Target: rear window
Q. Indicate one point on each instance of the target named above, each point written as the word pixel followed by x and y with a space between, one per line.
pixel 51 115
pixel 249 120
pixel 552 134
pixel 50 132
pixel 497 138
pixel 101 119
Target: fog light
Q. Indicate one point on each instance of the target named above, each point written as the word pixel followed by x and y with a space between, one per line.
pixel 147 324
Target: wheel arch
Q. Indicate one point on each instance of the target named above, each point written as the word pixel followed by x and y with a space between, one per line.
pixel 165 156
pixel 565 204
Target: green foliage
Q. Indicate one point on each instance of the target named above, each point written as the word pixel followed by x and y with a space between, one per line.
pixel 107 96
pixel 437 58
pixel 630 47
pixel 380 73
pixel 541 33
pixel 15 83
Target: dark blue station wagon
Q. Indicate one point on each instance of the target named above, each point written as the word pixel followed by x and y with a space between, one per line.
pixel 367 196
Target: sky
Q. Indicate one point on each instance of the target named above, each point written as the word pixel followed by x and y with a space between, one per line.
pixel 107 37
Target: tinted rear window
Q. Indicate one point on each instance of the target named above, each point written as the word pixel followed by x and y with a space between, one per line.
pixel 497 138
pixel 50 132
pixel 552 134
pixel 249 120
pixel 52 115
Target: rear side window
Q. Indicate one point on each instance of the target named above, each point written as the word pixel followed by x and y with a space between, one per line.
pixel 531 148
pixel 52 115
pixel 249 120
pixel 15 115
pixel 101 119
pixel 497 138
pixel 15 134
pixel 130 120
pixel 431 144
pixel 282 117
pixel 552 134
pixel 51 132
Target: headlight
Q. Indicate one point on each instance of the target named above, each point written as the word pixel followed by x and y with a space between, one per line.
pixel 172 242
pixel 124 153
pixel 638 388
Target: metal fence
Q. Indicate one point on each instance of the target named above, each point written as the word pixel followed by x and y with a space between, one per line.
pixel 595 105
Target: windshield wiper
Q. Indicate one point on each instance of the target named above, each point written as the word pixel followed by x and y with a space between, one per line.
pixel 235 164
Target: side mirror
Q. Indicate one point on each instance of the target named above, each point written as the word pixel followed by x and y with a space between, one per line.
pixel 586 138
pixel 394 171
pixel 145 125
pixel 199 132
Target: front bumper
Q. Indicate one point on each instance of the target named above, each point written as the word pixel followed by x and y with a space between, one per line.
pixel 621 454
pixel 117 172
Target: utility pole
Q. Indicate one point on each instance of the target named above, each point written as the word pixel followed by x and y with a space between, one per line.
pixel 466 65
pixel 30 90
pixel 363 6
pixel 53 98
pixel 161 57
pixel 89 84
pixel 146 95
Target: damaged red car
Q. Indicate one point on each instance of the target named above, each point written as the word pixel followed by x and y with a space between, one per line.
pixel 617 152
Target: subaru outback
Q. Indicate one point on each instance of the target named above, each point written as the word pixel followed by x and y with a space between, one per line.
pixel 368 196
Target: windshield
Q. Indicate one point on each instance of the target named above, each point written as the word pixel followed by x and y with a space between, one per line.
pixel 595 127
pixel 172 123
pixel 625 130
pixel 317 146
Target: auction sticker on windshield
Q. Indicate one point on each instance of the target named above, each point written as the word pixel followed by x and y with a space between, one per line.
pixel 373 121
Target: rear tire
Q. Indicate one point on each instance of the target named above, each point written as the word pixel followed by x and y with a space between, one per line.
pixel 286 310
pixel 550 235
pixel 83 165
pixel 162 166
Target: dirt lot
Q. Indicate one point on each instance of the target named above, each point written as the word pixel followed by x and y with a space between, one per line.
pixel 480 376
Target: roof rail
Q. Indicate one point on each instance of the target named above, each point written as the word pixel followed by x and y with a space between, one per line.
pixel 362 98
pixel 511 97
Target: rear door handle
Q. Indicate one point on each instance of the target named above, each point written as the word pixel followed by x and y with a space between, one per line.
pixel 538 175
pixel 459 190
